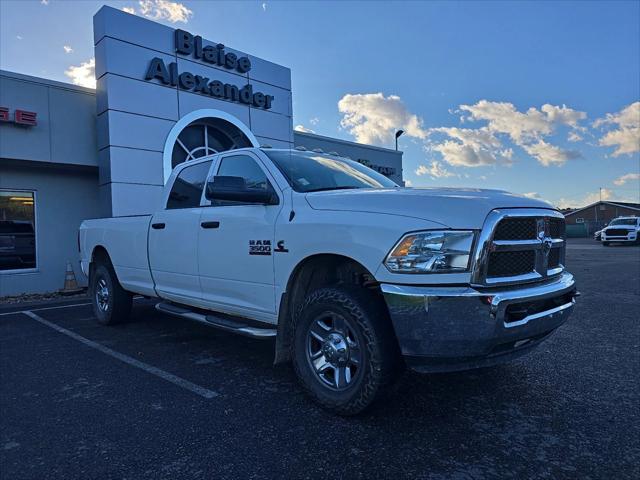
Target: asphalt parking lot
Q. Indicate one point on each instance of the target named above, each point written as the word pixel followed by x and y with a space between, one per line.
pixel 160 397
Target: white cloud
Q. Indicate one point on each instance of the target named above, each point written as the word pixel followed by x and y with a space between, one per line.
pixel 314 121
pixel 626 178
pixel 434 170
pixel 130 10
pixel 503 117
pixel 165 10
pixel 373 118
pixel 574 137
pixel 528 129
pixel 408 183
pixel 548 154
pixel 594 197
pixel 83 74
pixel 535 195
pixel 67 49
pixel 302 128
pixel 563 115
pixel 625 135
pixel 44 2
pixel 470 147
pixel 19 37
pixel 264 6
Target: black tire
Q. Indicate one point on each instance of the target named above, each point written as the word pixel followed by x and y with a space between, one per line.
pixel 369 338
pixel 605 244
pixel 116 306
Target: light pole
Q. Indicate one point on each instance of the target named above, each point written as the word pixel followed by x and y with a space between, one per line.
pixel 398 133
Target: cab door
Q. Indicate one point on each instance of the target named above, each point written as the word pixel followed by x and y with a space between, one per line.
pixel 173 237
pixel 235 245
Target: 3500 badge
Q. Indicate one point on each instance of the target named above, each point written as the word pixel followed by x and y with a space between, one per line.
pixel 259 247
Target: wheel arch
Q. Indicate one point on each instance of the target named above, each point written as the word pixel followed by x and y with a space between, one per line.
pixel 313 272
pixel 98 253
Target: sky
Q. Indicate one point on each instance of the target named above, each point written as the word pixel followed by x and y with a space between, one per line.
pixel 537 98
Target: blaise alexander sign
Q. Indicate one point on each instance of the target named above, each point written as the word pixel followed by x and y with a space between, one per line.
pixel 189 45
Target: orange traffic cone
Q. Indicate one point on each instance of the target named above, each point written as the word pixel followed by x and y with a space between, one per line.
pixel 70 283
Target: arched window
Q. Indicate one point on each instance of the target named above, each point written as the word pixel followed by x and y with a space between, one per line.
pixel 207 136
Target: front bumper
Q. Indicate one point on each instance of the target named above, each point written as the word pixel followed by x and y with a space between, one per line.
pixel 457 328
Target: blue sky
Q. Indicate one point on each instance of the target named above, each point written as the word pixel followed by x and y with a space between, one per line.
pixel 538 98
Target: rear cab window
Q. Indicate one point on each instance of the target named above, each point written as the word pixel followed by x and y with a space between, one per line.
pixel 187 188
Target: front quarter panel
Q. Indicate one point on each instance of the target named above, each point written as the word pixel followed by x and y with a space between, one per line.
pixel 363 237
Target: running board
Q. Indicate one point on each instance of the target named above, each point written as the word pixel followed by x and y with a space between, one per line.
pixel 224 323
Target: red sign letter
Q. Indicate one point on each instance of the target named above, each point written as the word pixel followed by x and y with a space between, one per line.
pixel 25 118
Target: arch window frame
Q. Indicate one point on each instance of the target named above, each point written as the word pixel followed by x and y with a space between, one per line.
pixel 193 118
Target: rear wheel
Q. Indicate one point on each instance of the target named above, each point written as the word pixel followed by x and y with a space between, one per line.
pixel 345 354
pixel 111 303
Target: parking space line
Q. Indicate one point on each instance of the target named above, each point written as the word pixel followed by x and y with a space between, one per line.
pixel 137 297
pixel 169 377
pixel 45 308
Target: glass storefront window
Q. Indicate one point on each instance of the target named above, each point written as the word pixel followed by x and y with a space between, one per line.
pixel 17 230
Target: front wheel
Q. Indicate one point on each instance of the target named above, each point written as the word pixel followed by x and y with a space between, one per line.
pixel 111 303
pixel 345 353
pixel 605 244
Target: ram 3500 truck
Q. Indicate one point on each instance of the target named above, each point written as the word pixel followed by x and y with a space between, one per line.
pixel 621 229
pixel 354 276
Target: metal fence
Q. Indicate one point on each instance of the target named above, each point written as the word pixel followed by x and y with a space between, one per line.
pixel 586 229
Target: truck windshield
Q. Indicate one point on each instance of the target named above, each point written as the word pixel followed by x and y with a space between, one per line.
pixel 623 221
pixel 314 172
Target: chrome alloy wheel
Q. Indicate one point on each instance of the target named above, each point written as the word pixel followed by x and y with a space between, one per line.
pixel 102 295
pixel 333 351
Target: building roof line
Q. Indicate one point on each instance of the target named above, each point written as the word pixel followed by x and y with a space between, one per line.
pixel 607 202
pixel 46 81
pixel 347 142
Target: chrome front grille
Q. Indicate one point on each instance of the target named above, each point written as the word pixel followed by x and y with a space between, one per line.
pixel 519 245
pixel 616 232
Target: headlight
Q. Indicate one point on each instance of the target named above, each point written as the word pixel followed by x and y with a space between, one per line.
pixel 445 251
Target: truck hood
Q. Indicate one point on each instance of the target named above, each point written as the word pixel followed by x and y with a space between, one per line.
pixel 450 207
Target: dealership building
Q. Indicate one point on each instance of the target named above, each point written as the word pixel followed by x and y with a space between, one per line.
pixel 163 97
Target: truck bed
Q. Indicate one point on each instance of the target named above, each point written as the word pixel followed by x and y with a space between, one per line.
pixel 125 238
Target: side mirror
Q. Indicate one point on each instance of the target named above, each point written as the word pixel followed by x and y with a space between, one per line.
pixel 234 189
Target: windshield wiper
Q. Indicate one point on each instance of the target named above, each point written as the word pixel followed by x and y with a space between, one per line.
pixel 324 189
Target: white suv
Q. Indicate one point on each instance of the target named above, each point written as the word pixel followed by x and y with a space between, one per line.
pixel 622 229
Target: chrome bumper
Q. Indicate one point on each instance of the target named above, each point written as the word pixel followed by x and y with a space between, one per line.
pixel 456 328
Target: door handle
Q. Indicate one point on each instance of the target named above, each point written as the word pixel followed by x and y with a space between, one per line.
pixel 210 224
pixel 158 226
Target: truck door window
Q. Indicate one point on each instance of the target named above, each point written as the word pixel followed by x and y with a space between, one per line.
pixel 246 167
pixel 187 188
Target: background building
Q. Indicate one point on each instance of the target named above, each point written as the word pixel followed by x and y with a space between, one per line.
pixel 585 221
pixel 69 153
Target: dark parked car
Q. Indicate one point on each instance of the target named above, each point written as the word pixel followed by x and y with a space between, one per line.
pixel 17 245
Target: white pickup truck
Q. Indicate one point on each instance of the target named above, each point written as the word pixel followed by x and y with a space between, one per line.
pixel 354 276
pixel 621 229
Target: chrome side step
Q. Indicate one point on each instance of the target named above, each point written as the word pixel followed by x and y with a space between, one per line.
pixel 235 325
